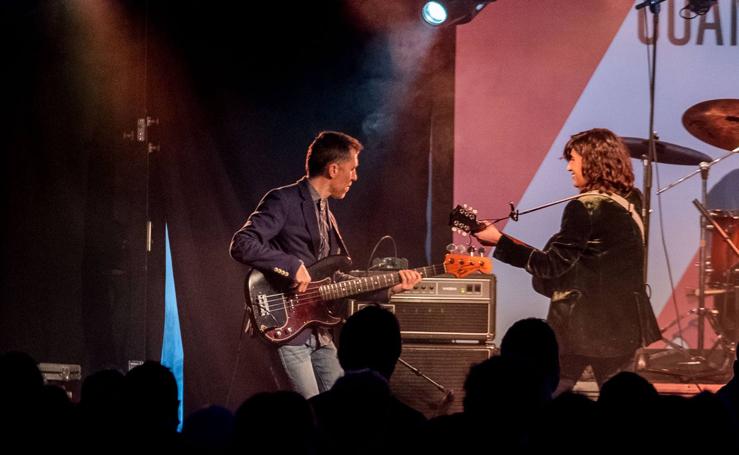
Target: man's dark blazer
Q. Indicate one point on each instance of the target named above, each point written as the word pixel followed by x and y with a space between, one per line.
pixel 283 231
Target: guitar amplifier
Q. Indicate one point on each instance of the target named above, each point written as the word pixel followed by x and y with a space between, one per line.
pixel 444 309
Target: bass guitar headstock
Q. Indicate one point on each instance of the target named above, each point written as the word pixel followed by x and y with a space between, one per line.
pixel 460 265
pixel 463 220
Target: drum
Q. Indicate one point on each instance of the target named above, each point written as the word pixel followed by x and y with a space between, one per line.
pixel 724 261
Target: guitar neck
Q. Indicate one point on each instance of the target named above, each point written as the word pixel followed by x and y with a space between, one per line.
pixel 356 286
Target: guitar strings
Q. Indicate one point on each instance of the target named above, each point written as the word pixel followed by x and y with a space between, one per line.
pixel 314 294
pixel 277 301
pixel 271 297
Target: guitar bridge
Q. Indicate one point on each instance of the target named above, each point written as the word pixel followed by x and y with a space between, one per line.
pixel 263 305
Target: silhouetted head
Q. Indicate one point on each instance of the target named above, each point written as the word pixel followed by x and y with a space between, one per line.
pixel 532 341
pixel 150 396
pixel 279 421
pixel 208 429
pixel 626 391
pixel 504 387
pixel 102 393
pixel 20 378
pixel 370 339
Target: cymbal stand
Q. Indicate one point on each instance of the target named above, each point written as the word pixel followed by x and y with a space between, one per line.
pixel 702 260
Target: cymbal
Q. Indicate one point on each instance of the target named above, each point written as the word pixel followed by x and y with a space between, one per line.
pixel 714 122
pixel 666 153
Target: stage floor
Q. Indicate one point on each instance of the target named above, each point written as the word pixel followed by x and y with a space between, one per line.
pixel 674 373
pixel 590 388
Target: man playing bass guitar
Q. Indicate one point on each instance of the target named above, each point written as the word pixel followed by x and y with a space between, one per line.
pixel 292 228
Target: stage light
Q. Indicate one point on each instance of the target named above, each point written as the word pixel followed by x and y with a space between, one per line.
pixel 451 12
pixel 434 13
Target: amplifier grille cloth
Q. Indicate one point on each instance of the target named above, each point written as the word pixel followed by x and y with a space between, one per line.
pixel 443 317
pixel 445 364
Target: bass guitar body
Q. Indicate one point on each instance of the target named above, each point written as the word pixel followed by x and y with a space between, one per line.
pixel 280 313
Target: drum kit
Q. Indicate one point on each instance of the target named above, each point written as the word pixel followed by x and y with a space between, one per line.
pixel 715 122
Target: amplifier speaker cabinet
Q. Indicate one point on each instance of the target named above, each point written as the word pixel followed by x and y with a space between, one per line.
pixel 445 364
pixel 444 309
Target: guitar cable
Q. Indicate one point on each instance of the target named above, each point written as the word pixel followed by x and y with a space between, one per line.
pixel 377 245
pixel 245 328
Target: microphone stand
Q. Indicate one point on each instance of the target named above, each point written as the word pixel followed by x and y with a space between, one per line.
pixel 448 393
pixel 654 7
pixel 515 213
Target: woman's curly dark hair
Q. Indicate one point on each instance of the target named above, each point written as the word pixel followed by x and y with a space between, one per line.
pixel 606 165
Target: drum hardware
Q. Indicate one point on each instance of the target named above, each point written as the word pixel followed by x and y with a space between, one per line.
pixel 724 229
pixel 715 122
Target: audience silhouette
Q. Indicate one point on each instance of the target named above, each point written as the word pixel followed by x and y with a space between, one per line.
pixel 279 421
pixel 100 408
pixel 151 406
pixel 360 414
pixel 508 399
pixel 533 342
pixel 208 429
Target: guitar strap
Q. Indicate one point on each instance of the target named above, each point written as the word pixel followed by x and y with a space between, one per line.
pixel 335 227
pixel 629 207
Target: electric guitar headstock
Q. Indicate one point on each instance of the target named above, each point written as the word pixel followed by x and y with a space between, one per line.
pixel 463 220
pixel 460 265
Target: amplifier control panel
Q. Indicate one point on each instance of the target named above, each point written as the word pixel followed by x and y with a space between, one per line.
pixel 448 288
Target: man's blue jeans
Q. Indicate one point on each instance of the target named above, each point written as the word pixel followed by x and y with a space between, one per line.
pixel 311 369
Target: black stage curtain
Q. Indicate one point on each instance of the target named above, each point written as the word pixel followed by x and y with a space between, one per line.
pixel 237 100
pixel 73 242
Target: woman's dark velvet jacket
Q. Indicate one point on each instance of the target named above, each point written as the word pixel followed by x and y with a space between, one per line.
pixel 592 270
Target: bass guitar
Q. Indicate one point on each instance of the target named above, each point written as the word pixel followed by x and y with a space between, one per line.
pixel 279 313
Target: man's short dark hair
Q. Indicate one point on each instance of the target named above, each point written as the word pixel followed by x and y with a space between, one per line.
pixel 329 147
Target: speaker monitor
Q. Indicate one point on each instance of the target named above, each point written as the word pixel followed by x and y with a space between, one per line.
pixel 446 365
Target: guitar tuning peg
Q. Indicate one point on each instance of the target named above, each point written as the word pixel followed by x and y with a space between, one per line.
pixel 451 247
pixel 474 211
pixel 454 229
